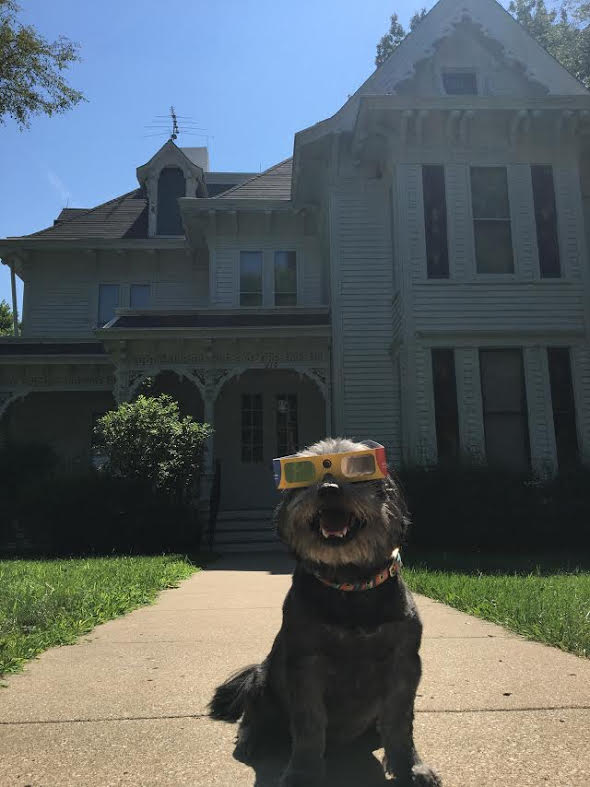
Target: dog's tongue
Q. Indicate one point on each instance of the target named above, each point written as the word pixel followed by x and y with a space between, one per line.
pixel 334 521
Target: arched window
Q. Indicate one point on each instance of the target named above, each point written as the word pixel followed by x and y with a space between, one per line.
pixel 171 186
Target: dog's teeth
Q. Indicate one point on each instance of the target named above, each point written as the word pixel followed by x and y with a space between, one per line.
pixel 338 534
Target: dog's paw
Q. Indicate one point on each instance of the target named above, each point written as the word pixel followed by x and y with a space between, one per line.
pixel 423 776
pixel 294 777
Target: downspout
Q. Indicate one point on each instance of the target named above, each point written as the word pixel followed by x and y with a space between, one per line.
pixel 14 303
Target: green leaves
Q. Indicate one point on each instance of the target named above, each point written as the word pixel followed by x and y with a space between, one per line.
pixel 30 70
pixel 147 440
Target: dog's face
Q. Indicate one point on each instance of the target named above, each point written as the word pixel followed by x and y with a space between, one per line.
pixel 338 523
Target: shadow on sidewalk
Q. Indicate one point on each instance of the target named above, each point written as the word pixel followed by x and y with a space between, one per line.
pixel 348 766
pixel 270 562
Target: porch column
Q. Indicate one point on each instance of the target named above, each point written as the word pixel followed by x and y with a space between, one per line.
pixel 14 301
pixel 540 412
pixel 209 403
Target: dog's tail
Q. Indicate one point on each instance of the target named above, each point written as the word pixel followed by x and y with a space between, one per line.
pixel 229 699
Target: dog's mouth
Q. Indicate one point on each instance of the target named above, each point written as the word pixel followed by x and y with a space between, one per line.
pixel 335 525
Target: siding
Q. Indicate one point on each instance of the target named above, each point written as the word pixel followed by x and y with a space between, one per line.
pixel 512 306
pixel 365 389
pixel 522 214
pixel 471 430
pixel 459 224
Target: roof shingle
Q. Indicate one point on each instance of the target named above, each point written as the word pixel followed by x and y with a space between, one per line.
pixel 274 183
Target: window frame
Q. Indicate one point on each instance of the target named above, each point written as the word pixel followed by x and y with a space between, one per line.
pixel 268 274
pixel 274 280
pixel 523 412
pixel 239 282
pixel 490 275
pixel 447 266
pixel 118 305
pixel 248 452
pixel 460 70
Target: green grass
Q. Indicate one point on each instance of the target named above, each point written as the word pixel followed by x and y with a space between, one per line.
pixel 545 598
pixel 52 602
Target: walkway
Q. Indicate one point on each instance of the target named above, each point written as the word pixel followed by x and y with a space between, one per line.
pixel 125 706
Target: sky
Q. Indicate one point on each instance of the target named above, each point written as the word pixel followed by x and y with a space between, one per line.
pixel 249 72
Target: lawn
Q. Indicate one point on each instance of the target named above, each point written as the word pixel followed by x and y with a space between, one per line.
pixel 546 598
pixel 52 602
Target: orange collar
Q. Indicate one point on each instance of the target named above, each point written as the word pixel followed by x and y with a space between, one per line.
pixel 369 584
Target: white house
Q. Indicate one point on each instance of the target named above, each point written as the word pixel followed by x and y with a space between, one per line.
pixel 416 274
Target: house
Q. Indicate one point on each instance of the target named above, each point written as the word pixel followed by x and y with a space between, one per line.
pixel 416 273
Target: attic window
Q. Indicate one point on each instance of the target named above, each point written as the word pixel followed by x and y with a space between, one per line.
pixel 171 186
pixel 459 83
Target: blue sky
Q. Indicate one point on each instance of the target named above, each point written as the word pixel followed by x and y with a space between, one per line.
pixel 251 72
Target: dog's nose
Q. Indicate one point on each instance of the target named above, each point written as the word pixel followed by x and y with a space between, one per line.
pixel 329 487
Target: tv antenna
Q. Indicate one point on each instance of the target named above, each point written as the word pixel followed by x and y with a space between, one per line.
pixel 172 125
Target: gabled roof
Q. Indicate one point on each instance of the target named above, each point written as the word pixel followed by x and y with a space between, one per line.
pixel 517 46
pixel 273 183
pixel 122 217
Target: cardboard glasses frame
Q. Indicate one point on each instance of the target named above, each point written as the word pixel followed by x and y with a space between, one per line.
pixel 292 472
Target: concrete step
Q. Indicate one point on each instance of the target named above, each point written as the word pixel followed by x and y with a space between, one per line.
pixel 263 514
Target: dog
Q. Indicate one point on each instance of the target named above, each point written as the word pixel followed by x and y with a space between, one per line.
pixel 345 661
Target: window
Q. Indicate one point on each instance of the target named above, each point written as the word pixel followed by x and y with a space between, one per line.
pixel 108 300
pixel 285 278
pixel 252 434
pixel 491 220
pixel 250 278
pixel 546 220
pixel 445 404
pixel 139 296
pixel 171 187
pixel 286 424
pixel 460 83
pixel 564 410
pixel 435 221
pixel 504 409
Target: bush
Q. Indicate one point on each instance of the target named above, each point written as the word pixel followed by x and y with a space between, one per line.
pixel 147 441
pixel 99 514
pixel 476 508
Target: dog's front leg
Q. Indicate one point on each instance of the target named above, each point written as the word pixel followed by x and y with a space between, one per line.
pixel 307 717
pixel 396 724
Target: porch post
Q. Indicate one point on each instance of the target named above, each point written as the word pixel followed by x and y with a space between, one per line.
pixel 14 301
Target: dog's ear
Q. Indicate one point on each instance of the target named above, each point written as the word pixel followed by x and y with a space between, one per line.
pixel 397 504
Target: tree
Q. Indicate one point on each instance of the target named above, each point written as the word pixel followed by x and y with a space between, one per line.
pixel 6 322
pixel 564 35
pixel 31 67
pixel 396 34
pixel 147 440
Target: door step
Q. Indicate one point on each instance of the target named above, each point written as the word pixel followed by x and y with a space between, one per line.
pixel 246 531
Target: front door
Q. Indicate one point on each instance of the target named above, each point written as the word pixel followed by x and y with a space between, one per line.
pixel 260 417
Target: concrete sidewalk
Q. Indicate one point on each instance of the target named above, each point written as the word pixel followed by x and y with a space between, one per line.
pixel 126 706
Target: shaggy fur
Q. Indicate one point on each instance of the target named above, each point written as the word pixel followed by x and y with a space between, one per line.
pixel 343 663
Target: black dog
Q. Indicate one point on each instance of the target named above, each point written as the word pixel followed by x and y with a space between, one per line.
pixel 345 660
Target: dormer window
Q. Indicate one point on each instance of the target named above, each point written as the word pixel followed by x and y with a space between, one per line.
pixel 459 83
pixel 171 186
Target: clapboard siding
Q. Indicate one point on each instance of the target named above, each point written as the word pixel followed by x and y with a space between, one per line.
pixel 362 275
pixel 547 305
pixel 426 450
pixel 62 291
pixel 540 414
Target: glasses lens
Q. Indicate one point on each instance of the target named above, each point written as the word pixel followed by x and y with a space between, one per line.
pixel 299 472
pixel 354 466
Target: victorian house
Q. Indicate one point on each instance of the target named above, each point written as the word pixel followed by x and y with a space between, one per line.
pixel 416 274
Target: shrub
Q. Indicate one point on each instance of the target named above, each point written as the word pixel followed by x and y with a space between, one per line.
pixel 476 508
pixel 147 441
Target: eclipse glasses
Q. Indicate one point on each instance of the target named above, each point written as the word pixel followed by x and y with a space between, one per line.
pixel 365 464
